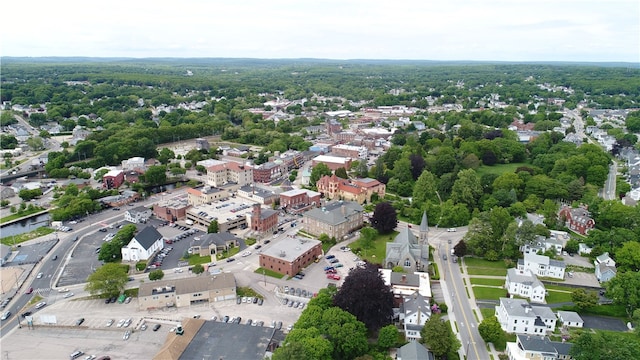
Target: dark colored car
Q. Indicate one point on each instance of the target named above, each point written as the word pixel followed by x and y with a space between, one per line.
pixel 26 313
pixel 231 259
pixel 156 327
pixel 267 241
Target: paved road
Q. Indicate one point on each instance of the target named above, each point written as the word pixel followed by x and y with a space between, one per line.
pixel 460 306
pixel 609 190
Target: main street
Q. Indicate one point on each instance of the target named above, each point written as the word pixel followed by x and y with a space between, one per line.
pixel 461 307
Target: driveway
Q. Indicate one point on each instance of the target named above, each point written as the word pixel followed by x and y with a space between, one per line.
pixel 603 323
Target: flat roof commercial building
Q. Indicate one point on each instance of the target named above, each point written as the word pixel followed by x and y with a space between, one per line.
pixel 186 291
pixel 289 256
pixel 230 214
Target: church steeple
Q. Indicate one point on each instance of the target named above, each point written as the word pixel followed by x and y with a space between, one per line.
pixel 424 229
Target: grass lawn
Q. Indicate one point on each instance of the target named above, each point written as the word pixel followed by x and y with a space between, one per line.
pixel 491 282
pixel 558 297
pixel 603 310
pixel 477 266
pixel 486 293
pixel 499 169
pixel 377 254
pixel 487 313
pixel 268 272
pixel 195 259
pixel 17 239
pixel 486 271
pixel 18 215
pixel 559 287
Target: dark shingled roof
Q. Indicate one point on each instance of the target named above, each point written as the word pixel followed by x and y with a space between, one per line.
pixel 148 236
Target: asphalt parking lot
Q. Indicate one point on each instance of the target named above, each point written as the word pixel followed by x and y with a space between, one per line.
pixel 94 337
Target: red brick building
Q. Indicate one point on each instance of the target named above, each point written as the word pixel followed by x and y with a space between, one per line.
pixel 113 179
pixel 298 200
pixel 358 190
pixel 263 220
pixel 290 256
pixel 171 210
pixel 267 172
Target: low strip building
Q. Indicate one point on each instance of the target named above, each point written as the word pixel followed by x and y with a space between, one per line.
pixel 186 291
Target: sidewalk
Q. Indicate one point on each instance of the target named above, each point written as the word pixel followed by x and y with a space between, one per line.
pixel 472 301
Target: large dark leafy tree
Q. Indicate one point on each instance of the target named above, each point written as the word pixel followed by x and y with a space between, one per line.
pixel 605 345
pixel 384 218
pixel 108 280
pixel 438 337
pixel 624 289
pixel 317 172
pixel 365 295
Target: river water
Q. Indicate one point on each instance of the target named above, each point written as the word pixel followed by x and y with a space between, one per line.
pixel 25 225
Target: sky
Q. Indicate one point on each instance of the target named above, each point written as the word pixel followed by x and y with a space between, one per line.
pixel 481 30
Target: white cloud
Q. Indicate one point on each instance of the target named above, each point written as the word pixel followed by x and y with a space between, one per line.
pixel 559 30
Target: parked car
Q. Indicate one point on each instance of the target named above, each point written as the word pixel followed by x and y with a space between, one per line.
pixel 126 335
pixel 156 327
pixel 109 322
pixel 451 230
pixel 329 257
pixel 79 321
pixel 41 304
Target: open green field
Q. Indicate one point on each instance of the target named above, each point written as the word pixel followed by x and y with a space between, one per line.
pixel 490 282
pixel 476 266
pixel 499 169
pixel 488 293
pixel 377 254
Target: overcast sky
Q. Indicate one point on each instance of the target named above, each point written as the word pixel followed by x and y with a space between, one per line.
pixel 501 30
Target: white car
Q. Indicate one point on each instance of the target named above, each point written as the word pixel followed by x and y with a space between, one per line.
pixel 127 322
pixel 40 305
pixel 126 335
pixel 109 323
pixel 451 230
pixel 68 295
pixel 121 322
pixel 39 276
pixel 246 253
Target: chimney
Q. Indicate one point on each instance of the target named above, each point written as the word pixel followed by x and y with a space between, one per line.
pixel 404 278
pixel 344 210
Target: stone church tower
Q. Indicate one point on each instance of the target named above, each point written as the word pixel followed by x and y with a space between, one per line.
pixel 423 239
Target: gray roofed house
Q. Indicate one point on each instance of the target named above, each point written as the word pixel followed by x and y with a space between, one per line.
pixel 570 319
pixel 413 350
pixel 417 311
pixel 139 214
pixel 211 244
pixel 537 347
pixel 523 283
pixel 517 316
pixel 541 265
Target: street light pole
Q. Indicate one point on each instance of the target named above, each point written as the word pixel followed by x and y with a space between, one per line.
pixel 467 351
